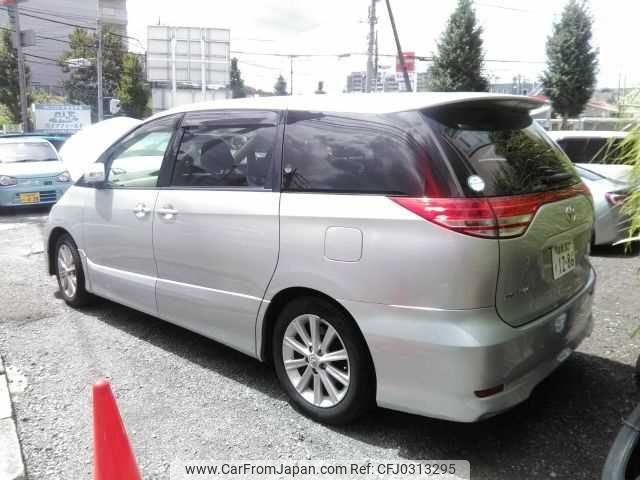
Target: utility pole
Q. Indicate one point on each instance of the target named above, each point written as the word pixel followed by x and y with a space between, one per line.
pixel 174 81
pixel 371 51
pixel 14 15
pixel 407 82
pixel 375 67
pixel 99 64
pixel 291 57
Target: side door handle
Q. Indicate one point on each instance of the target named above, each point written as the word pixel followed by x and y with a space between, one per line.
pixel 167 212
pixel 141 210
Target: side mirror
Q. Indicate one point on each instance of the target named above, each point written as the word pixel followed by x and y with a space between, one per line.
pixel 95 175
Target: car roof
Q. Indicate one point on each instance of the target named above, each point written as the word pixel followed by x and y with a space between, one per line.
pixel 23 139
pixel 561 134
pixel 373 103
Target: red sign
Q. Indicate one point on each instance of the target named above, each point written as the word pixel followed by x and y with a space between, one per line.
pixel 409 62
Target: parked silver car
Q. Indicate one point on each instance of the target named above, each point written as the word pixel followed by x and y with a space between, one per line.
pixel 596 156
pixel 427 252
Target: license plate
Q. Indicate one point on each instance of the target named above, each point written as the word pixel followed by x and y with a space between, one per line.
pixel 30 197
pixel 563 257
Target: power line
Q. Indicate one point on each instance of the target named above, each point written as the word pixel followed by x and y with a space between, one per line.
pixel 41 57
pixel 425 58
pixel 60 22
pixel 502 7
pixel 75 25
pixel 44 37
pixel 53 13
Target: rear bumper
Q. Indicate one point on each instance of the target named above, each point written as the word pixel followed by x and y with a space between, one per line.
pixel 430 362
pixel 49 194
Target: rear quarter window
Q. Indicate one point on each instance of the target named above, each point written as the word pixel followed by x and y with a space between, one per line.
pixel 368 154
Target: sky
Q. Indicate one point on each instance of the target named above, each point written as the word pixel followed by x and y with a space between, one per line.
pixel 514 30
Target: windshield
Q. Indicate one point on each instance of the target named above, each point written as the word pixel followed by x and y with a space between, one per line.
pixel 592 150
pixel 26 152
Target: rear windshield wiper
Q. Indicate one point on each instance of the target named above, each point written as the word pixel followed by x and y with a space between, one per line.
pixel 557 178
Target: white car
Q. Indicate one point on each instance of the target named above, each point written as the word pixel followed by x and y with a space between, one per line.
pixel 596 156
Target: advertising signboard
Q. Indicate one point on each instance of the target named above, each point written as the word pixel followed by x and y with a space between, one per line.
pixel 60 118
pixel 188 55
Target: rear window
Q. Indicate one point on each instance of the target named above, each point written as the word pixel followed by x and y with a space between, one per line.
pixel 368 154
pixel 592 150
pixel 498 151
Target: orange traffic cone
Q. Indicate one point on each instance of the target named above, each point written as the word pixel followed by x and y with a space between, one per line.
pixel 112 455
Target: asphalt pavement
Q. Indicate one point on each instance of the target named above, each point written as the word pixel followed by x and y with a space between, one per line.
pixel 183 396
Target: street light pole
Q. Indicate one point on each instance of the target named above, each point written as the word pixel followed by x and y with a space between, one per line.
pixel 99 65
pixel 14 15
pixel 370 81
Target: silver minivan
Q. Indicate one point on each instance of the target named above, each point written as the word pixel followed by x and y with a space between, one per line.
pixel 423 252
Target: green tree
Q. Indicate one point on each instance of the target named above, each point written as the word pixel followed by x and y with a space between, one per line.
pixel 9 85
pixel 572 62
pixel 628 152
pixel 5 117
pixel 42 96
pixel 133 89
pixel 81 86
pixel 458 65
pixel 280 88
pixel 237 83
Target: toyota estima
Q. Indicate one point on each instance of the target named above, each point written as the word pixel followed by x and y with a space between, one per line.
pixel 424 252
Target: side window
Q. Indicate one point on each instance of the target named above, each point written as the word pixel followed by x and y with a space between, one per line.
pixel 353 153
pixel 137 160
pixel 227 150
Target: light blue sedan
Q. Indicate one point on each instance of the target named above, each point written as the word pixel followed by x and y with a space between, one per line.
pixel 31 172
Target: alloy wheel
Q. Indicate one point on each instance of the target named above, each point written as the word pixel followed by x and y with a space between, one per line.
pixel 67 271
pixel 316 360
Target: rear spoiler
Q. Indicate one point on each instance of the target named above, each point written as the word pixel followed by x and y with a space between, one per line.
pixel 512 102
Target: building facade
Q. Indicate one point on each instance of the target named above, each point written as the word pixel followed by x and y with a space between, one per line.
pixel 356 82
pixel 519 86
pixel 388 81
pixel 52 22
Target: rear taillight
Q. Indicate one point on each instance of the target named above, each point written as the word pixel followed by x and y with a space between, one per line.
pixel 490 217
pixel 615 199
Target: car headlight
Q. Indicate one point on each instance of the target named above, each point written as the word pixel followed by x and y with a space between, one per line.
pixel 7 181
pixel 64 177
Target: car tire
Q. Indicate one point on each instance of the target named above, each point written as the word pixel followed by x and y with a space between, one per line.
pixel 324 397
pixel 68 268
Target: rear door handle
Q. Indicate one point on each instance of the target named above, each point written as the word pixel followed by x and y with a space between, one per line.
pixel 167 212
pixel 141 210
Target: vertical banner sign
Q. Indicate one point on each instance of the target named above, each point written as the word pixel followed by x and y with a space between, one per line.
pixel 409 62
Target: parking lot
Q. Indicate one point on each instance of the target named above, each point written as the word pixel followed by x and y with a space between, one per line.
pixel 184 396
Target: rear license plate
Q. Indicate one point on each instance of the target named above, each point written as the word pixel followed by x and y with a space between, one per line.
pixel 563 257
pixel 30 197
